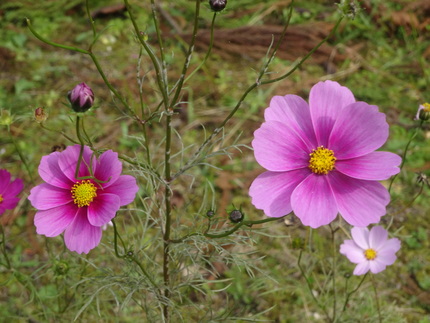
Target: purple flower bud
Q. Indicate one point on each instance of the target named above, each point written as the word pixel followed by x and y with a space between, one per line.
pixel 81 97
pixel 423 112
pixel 236 216
pixel 40 115
pixel 217 5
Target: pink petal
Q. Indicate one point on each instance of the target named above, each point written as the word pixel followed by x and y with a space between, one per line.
pixel 352 251
pixel 313 201
pixel 392 245
pixel 125 187
pixel 361 268
pixel 271 191
pixel 386 257
pixel 45 196
pixel 377 237
pixel 327 100
pixel 376 266
pixel 103 209
pixel 378 165
pixel 68 160
pixel 360 202
pixel 4 180
pixel 81 236
pixel 278 148
pixel 51 172
pixel 294 112
pixel 10 203
pixel 14 188
pixel 361 237
pixel 359 130
pixel 109 168
pixel 54 221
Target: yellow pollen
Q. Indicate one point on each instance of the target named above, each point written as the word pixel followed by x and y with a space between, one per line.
pixel 83 193
pixel 322 160
pixel 426 107
pixel 1 198
pixel 370 254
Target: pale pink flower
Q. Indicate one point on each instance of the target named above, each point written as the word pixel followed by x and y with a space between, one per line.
pixel 370 250
pixel 321 158
pixel 80 207
pixel 8 191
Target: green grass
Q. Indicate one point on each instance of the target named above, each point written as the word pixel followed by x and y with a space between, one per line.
pixel 384 64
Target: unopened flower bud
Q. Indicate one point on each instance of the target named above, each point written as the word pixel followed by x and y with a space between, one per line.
pixel 40 115
pixel 61 268
pixel 217 5
pixel 236 216
pixel 210 213
pixel 81 97
pixel 423 112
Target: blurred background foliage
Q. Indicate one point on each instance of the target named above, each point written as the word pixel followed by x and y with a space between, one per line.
pixel 382 55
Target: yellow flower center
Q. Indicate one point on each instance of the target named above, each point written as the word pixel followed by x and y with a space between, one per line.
pixel 1 198
pixel 83 193
pixel 322 160
pixel 370 254
pixel 426 107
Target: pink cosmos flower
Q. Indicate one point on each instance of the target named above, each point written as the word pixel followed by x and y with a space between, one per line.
pixel 370 250
pixel 80 207
pixel 321 158
pixel 8 191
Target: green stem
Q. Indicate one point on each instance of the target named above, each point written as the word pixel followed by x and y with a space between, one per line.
pixel 59 132
pixel 130 256
pixel 3 248
pixel 211 42
pixel 81 150
pixel 348 296
pixel 159 39
pixel 334 251
pixel 376 298
pixel 161 77
pixel 188 57
pixel 226 233
pixel 87 7
pixel 36 34
pixel 405 152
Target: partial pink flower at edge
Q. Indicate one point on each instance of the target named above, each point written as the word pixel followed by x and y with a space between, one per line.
pixel 80 208
pixel 321 160
pixel 8 191
pixel 370 250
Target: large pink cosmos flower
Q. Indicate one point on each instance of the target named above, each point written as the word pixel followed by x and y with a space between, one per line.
pixel 80 207
pixel 321 158
pixel 8 191
pixel 370 250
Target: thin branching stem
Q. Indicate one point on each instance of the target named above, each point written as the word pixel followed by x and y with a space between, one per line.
pixel 188 57
pixel 159 38
pixel 375 290
pixel 129 255
pixel 211 43
pixel 334 254
pixel 226 233
pixel 405 153
pixel 3 248
pixel 348 295
pixel 161 77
